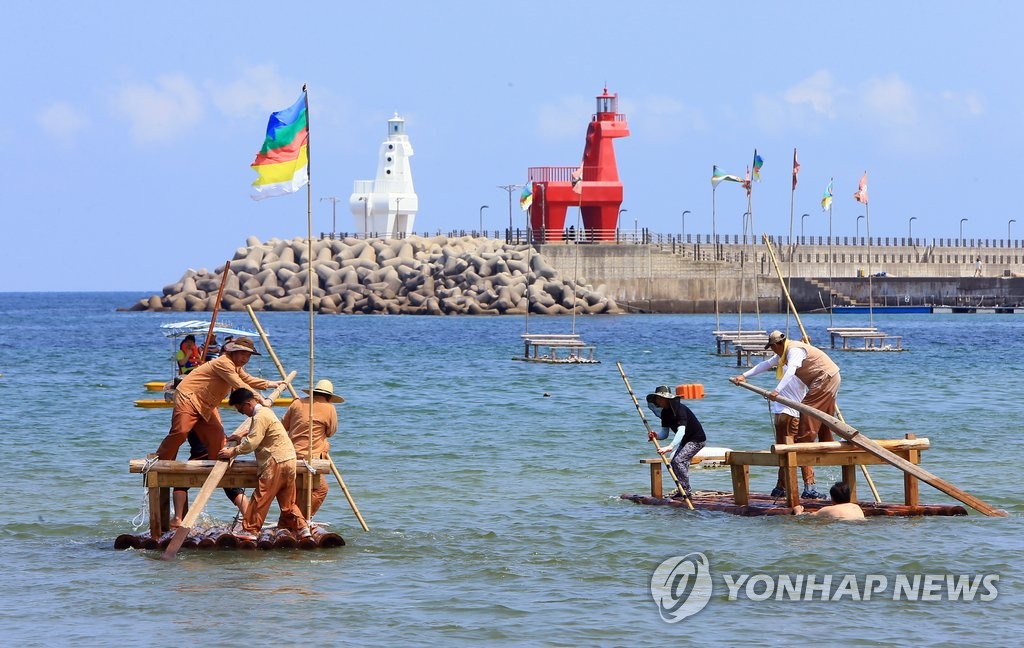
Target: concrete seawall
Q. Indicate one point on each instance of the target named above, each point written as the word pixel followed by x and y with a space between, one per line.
pixel 669 277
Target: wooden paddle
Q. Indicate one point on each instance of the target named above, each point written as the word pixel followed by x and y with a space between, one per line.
pixel 210 485
pixel 654 437
pixel 854 436
pixel 216 309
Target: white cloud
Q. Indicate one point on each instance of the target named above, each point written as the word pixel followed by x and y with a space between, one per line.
pixel 62 120
pixel 890 102
pixel 817 91
pixel 258 92
pixel 162 111
pixel 562 120
pixel 967 103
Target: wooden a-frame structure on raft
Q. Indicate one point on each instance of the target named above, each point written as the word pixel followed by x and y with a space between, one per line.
pixel 857 450
pixel 160 476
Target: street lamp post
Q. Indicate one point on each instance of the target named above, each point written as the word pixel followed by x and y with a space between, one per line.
pixel 618 220
pixel 635 221
pixel 366 214
pixel 482 208
pixel 1012 220
pixel 961 240
pixel 856 236
pixel 510 188
pixel 334 212
pixel 682 226
pixel 802 226
pixel 910 229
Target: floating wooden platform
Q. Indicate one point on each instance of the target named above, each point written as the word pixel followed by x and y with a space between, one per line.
pixel 151 403
pixel 874 340
pixel 222 538
pixel 553 348
pixel 760 504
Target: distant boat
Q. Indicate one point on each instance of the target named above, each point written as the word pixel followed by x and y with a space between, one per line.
pixel 176 332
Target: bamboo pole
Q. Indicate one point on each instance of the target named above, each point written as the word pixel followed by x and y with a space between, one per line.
pixel 334 468
pixel 348 496
pixel 853 435
pixel 216 309
pixel 807 340
pixel 654 438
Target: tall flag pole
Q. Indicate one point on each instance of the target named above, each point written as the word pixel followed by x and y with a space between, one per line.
pixel 282 167
pixel 792 246
pixel 861 196
pixel 826 205
pixel 309 280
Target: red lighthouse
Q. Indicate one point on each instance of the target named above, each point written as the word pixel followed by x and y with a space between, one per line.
pixel 598 194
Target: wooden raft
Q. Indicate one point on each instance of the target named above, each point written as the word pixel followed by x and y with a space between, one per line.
pixel 790 456
pixel 222 538
pixel 874 340
pixel 555 348
pixel 163 475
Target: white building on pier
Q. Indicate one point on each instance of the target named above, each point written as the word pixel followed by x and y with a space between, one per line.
pixel 386 206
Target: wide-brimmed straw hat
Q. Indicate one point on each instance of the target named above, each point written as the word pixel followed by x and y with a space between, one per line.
pixel 663 391
pixel 326 388
pixel 240 344
pixel 775 337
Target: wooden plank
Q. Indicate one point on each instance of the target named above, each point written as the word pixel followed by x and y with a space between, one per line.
pixel 740 484
pixel 854 436
pixel 843 446
pixel 202 467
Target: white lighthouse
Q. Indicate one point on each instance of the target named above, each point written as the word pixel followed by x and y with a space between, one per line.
pixel 387 206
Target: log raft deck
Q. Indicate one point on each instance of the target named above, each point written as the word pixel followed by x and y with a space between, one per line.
pixel 789 456
pixel 162 475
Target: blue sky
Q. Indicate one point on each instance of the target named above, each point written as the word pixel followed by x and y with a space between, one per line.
pixel 131 126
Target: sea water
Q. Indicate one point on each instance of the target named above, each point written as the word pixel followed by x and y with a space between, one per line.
pixel 491 487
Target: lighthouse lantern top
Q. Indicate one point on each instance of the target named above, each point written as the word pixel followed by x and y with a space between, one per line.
pixel 607 103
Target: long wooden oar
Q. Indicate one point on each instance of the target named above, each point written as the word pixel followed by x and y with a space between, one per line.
pixel 807 340
pixel 210 485
pixel 334 468
pixel 216 309
pixel 853 435
pixel 654 438
pixel 348 496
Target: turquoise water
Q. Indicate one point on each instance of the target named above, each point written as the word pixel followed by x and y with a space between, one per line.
pixel 494 509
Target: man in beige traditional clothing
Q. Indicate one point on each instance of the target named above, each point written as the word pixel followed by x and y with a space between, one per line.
pixel 275 467
pixel 200 393
pixel 812 367
pixel 325 424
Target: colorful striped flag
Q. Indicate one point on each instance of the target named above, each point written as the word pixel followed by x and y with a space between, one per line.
pixel 826 200
pixel 758 163
pixel 861 195
pixel 718 176
pixel 526 198
pixel 796 169
pixel 283 162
